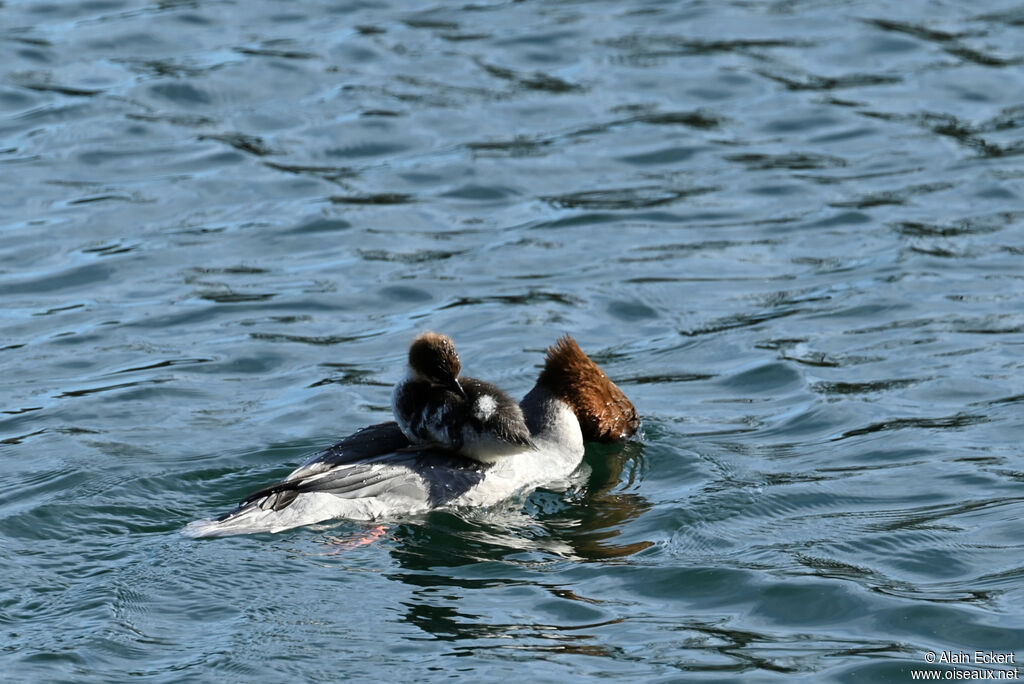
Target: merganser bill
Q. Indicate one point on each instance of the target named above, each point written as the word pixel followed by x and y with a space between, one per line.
pixel 434 407
pixel 377 474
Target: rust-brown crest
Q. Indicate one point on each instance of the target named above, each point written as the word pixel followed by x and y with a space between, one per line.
pixel 604 412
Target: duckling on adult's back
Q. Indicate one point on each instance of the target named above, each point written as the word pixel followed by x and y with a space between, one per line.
pixel 376 474
pixel 470 417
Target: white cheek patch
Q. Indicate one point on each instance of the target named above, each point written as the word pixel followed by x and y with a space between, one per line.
pixel 485 407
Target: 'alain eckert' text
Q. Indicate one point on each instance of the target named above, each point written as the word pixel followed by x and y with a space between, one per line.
pixel 978 657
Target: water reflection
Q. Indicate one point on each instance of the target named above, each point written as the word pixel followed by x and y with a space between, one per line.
pixel 487 551
pixel 578 524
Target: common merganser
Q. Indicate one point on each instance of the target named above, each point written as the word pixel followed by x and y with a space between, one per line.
pixel 376 474
pixel 434 407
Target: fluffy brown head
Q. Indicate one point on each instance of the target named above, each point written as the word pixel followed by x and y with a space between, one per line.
pixel 604 412
pixel 433 356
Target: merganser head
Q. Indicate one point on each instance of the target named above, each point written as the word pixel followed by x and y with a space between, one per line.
pixel 604 412
pixel 432 357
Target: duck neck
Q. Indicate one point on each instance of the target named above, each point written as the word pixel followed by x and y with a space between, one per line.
pixel 551 420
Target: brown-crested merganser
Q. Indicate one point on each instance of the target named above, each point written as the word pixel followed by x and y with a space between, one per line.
pixel 376 474
pixel 433 406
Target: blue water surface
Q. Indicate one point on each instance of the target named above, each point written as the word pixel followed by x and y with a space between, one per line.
pixel 792 231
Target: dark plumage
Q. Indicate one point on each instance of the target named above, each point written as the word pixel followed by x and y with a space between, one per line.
pixel 443 418
pixel 365 464
pixel 434 407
